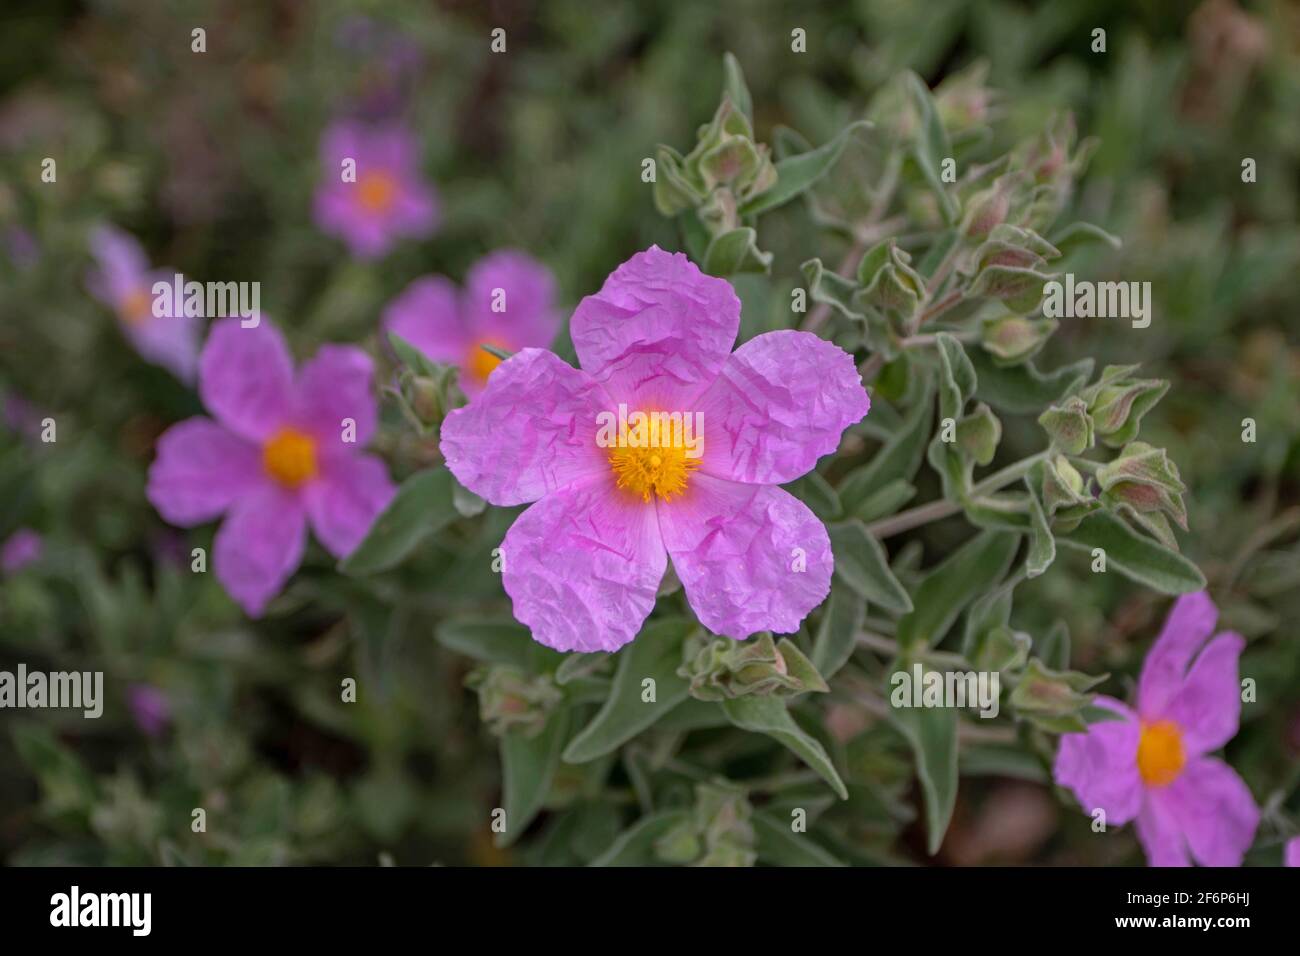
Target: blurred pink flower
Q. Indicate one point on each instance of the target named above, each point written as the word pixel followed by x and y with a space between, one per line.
pixel 22 548
pixel 508 301
pixel 1151 764
pixel 583 564
pixel 282 452
pixel 1292 852
pixel 124 282
pixel 388 200
pixel 150 708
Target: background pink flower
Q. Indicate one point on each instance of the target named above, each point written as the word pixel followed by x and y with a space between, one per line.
pixel 1151 764
pixel 508 301
pixel 123 281
pixel 1291 855
pixel 22 548
pixel 583 564
pixel 388 201
pixel 275 458
pixel 150 708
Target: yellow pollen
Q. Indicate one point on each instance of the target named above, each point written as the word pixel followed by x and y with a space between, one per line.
pixel 662 470
pixel 1160 755
pixel 136 308
pixel 290 457
pixel 376 191
pixel 480 363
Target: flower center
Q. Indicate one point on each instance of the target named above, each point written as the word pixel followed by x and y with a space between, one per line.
pixel 137 307
pixel 1160 755
pixel 656 462
pixel 290 457
pixel 480 363
pixel 376 192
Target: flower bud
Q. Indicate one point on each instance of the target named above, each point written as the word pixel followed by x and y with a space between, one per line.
pixel 511 700
pixel 1013 339
pixel 717 831
pixel 888 280
pixel 1117 408
pixel 978 434
pixel 721 669
pixel 1145 480
pixel 1053 700
pixel 1069 426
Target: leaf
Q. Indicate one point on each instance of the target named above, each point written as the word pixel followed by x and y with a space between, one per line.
pixel 969 572
pixel 837 631
pixel 1042 546
pixel 1022 389
pixel 736 251
pixel 829 288
pixel 1135 555
pixel 67 786
pixel 957 379
pixel 885 502
pixel 780 845
pixel 424 504
pixel 932 734
pixel 734 86
pixel 816 492
pixel 796 174
pixel 635 845
pixel 900 458
pixel 861 563
pixel 931 146
pixel 497 641
pixel 412 357
pixel 528 766
pixel 1079 234
pixel 656 653
pixel 768 715
pixel 1054 648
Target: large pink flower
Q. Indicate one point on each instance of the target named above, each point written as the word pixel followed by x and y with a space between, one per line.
pixel 508 301
pixel 1151 764
pixel 582 565
pixel 124 282
pixel 387 199
pixel 282 451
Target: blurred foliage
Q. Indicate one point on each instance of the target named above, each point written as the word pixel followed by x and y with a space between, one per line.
pixel 210 159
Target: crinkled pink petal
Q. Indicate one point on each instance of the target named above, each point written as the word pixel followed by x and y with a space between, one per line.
pixel 531 431
pixel 1160 835
pixel 259 546
pixel 427 314
pixel 200 469
pixel 658 331
pixel 1100 765
pixel 750 557
pixel 246 377
pixel 1188 627
pixel 1291 855
pixel 523 315
pixel 1208 705
pixel 333 387
pixel 346 499
pixel 1213 809
pixel 583 565
pixel 782 400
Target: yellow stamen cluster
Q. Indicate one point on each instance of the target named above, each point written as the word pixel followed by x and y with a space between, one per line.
pixel 480 363
pixel 376 191
pixel 290 457
pixel 136 307
pixel 662 470
pixel 1160 756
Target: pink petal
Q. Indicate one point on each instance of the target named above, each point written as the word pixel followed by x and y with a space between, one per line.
pixel 1100 765
pixel 782 400
pixel 1213 809
pixel 658 331
pixel 169 341
pixel 528 317
pixel 583 565
pixel 259 546
pixel 333 386
pixel 1208 705
pixel 1291 856
pixel 1160 835
pixel 345 500
pixel 246 377
pixel 1189 625
pixel 200 469
pixel 750 557
pixel 531 431
pixel 427 314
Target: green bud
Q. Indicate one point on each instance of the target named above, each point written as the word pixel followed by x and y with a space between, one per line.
pixel 511 700
pixel 978 434
pixel 888 280
pixel 1117 408
pixel 1065 495
pixel 720 669
pixel 718 831
pixel 1069 426
pixel 1013 339
pixel 674 192
pixel 1144 480
pixel 1001 649
pixel 1054 700
pixel 963 100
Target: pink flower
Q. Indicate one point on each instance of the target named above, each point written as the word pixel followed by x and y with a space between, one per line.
pixel 124 282
pixel 509 302
pixel 1151 764
pixel 385 200
pixel 281 453
pixel 22 548
pixel 582 565
pixel 150 708
pixel 1291 854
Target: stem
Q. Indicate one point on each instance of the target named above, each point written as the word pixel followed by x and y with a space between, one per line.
pixel 878 642
pixel 942 508
pixel 940 307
